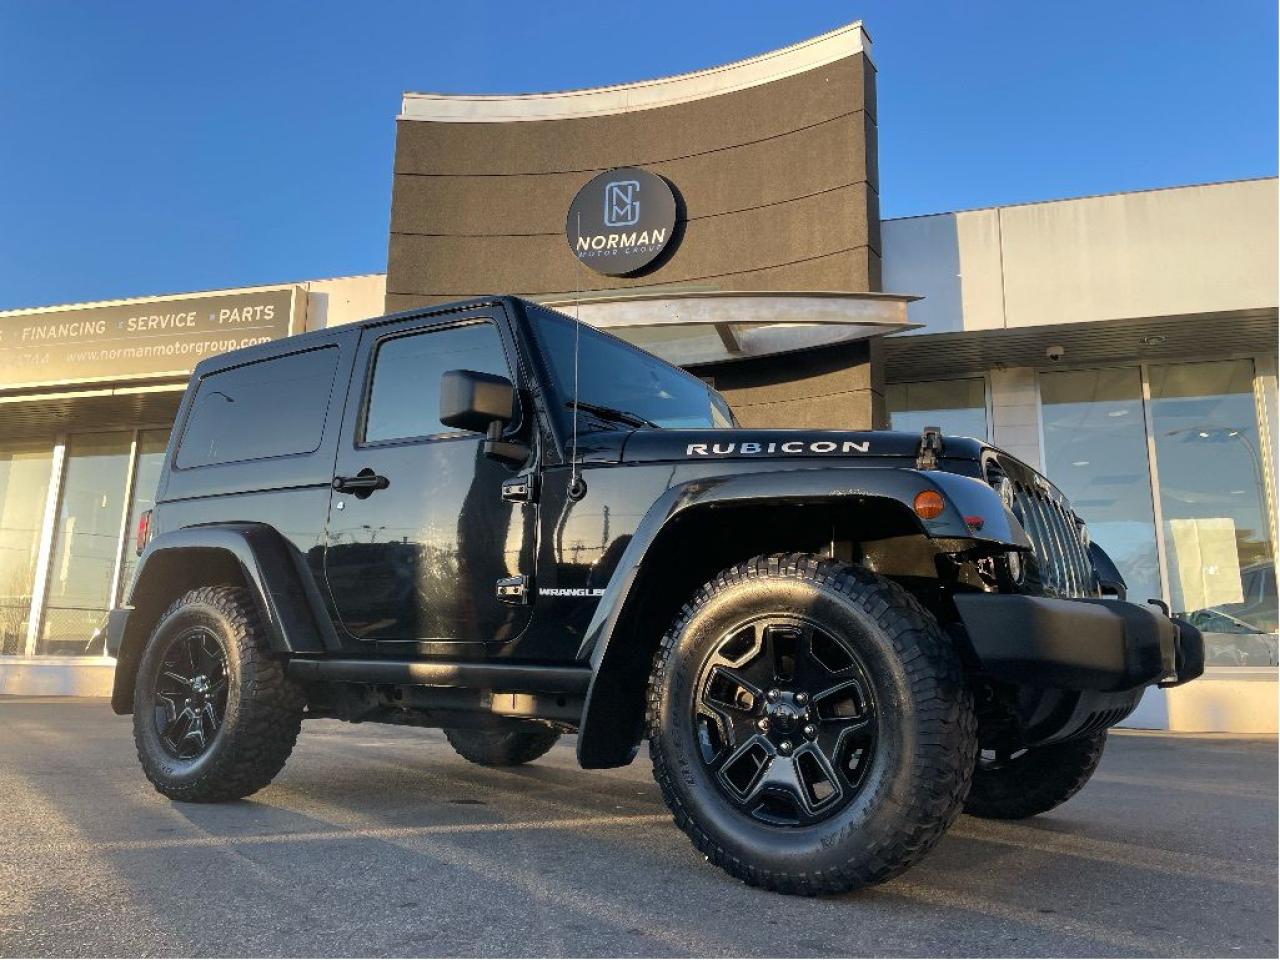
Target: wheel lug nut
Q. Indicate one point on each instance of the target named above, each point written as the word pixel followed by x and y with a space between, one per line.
pixel 802 698
pixel 773 694
pixel 810 730
pixel 784 747
pixel 763 724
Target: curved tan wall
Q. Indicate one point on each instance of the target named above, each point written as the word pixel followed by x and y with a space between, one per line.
pixel 774 159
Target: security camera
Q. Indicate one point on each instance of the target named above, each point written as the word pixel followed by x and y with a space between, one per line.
pixel 1056 352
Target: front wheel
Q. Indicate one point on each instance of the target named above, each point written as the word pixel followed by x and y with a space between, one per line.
pixel 809 725
pixel 1014 785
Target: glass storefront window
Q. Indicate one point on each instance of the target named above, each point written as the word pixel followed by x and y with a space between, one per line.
pixel 24 484
pixel 1218 551
pixel 957 407
pixel 1095 450
pixel 146 476
pixel 86 541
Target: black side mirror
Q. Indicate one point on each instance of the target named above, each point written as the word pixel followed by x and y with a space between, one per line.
pixel 471 401
pixel 482 403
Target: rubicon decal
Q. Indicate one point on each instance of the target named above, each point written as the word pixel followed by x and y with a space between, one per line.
pixel 775 447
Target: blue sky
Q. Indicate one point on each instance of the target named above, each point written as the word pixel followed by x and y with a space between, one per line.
pixel 158 147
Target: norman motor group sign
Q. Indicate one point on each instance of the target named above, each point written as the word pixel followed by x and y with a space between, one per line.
pixel 145 338
pixel 621 221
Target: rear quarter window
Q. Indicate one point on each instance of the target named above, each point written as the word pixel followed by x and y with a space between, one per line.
pixel 270 408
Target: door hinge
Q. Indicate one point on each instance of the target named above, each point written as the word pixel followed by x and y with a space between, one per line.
pixel 516 591
pixel 519 489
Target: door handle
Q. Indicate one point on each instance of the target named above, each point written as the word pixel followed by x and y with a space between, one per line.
pixel 362 484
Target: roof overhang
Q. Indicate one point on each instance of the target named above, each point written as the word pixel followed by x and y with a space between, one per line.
pixel 930 356
pixel 711 327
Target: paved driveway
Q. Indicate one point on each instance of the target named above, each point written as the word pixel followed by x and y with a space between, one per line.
pixel 380 841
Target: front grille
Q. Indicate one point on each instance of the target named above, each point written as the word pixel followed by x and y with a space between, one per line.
pixel 1061 564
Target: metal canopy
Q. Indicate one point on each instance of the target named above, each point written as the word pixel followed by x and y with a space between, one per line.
pixel 712 327
pixel 942 355
pixel 42 415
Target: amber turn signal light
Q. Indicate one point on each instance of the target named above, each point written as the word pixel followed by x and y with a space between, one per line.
pixel 928 504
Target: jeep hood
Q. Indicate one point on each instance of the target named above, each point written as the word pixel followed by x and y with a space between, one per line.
pixel 649 446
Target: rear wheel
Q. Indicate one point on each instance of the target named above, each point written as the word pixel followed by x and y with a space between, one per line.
pixel 507 746
pixel 1013 785
pixel 214 717
pixel 809 725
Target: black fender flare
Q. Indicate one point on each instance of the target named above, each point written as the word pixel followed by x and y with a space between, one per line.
pixel 611 726
pixel 290 604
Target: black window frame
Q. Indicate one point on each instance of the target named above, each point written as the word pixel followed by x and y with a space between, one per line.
pixel 371 367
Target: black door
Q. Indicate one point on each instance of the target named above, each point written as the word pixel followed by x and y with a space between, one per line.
pixel 417 554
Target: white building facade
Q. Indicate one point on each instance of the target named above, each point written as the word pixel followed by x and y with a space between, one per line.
pixel 1126 346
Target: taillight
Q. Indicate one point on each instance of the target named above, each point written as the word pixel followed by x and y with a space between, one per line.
pixel 142 536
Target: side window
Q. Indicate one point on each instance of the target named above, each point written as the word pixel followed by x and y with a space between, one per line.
pixel 270 408
pixel 404 401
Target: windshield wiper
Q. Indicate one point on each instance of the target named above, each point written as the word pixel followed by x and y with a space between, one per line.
pixel 611 413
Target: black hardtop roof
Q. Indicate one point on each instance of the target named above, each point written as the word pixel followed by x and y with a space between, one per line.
pixel 301 341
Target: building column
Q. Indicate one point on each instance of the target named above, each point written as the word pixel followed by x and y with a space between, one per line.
pixel 1015 414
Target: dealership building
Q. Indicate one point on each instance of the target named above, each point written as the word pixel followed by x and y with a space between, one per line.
pixel 728 220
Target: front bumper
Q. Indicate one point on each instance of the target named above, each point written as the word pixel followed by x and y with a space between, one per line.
pixel 1086 644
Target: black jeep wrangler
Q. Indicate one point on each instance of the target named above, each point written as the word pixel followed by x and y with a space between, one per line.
pixel 488 518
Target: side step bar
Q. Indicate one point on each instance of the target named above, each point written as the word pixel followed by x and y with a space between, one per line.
pixel 507 677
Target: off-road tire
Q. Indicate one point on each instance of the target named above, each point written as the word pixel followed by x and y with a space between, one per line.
pixel 263 713
pixel 1036 781
pixel 508 746
pixel 923 754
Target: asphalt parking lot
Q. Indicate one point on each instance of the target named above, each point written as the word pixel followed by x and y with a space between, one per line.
pixel 380 841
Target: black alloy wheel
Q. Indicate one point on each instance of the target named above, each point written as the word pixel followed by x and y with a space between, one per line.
pixel 215 715
pixel 785 719
pixel 191 693
pixel 809 724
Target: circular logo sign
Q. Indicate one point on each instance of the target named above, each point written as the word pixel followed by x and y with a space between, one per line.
pixel 621 221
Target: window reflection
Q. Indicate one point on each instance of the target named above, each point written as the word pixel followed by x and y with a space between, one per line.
pixel 957 407
pixel 24 484
pixel 146 477
pixel 404 401
pixel 86 540
pixel 613 373
pixel 1212 494
pixel 1095 450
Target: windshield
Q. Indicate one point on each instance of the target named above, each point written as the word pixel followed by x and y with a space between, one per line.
pixel 619 384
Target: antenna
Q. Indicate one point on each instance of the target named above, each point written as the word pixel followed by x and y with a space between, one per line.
pixel 573 452
pixel 576 487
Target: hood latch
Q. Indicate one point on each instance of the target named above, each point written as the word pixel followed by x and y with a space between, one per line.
pixel 930 449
